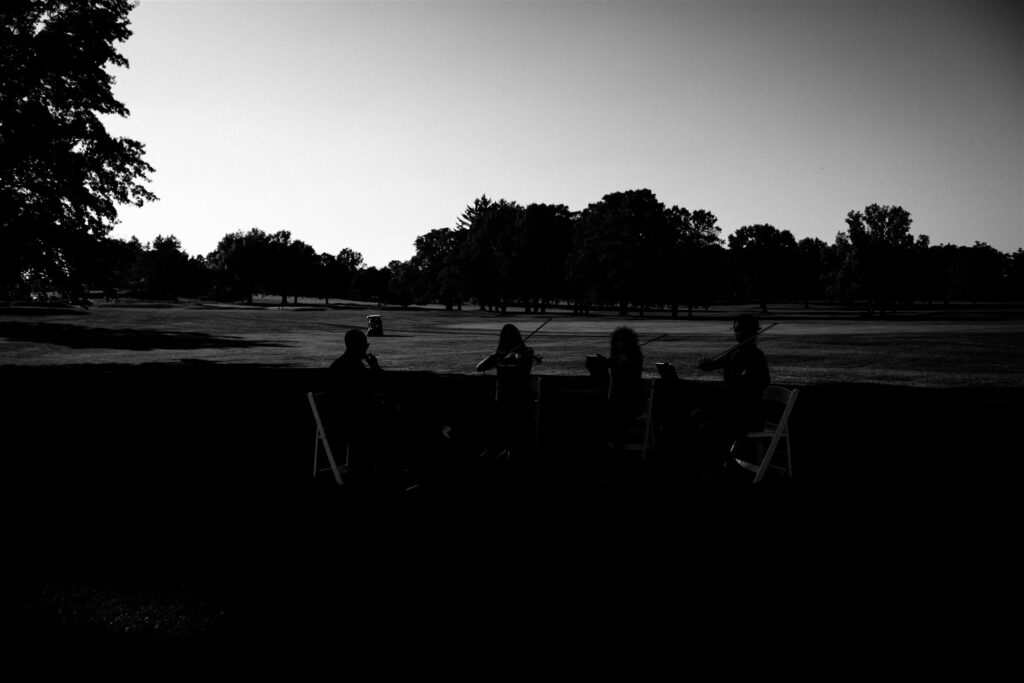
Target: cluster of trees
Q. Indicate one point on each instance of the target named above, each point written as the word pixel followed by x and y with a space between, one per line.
pixel 63 176
pixel 627 252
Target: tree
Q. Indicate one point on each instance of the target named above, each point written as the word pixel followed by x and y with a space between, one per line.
pixel 881 252
pixel 623 245
pixel 765 258
pixel 347 264
pixel 62 175
pixel 297 263
pixel 541 242
pixel 111 264
pixel 438 267
pixel 400 284
pixel 242 259
pixel 163 270
pixel 372 284
pixel 810 273
pixel 1015 276
pixel 978 273
pixel 488 250
pixel 696 270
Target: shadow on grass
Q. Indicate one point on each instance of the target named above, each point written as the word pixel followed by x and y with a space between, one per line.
pixel 77 337
pixel 20 309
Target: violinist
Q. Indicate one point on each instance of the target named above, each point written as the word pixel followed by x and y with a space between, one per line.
pixel 745 371
pixel 513 358
pixel 625 386
pixel 513 406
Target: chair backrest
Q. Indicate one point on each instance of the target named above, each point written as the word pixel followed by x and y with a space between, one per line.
pixel 328 432
pixel 778 394
pixel 326 417
pixel 644 441
pixel 779 430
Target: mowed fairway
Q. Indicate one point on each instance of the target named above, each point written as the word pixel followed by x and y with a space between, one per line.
pixel 819 345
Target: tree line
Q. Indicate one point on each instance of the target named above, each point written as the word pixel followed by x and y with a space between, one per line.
pixel 63 177
pixel 627 252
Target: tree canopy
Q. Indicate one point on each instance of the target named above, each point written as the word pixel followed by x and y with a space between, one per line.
pixel 62 175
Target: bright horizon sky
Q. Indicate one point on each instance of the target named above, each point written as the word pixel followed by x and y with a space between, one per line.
pixel 366 124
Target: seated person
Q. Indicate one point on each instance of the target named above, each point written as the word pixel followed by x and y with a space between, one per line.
pixel 366 412
pixel 623 368
pixel 513 405
pixel 738 409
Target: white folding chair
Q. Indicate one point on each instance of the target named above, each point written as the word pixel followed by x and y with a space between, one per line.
pixel 319 402
pixel 773 433
pixel 646 443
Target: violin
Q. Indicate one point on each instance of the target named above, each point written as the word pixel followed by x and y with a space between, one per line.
pixel 527 353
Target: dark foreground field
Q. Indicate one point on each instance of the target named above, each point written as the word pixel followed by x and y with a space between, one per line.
pixel 170 508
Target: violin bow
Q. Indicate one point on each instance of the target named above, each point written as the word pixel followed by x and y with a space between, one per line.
pixel 654 340
pixel 723 354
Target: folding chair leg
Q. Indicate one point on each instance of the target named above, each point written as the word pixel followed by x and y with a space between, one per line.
pixel 316 452
pixel 648 437
pixel 789 457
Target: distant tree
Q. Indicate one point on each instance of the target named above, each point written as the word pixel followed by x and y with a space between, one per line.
pixel 695 271
pixel 809 278
pixel 488 251
pixel 838 276
pixel 623 242
pixel 582 268
pixel 401 283
pixel 110 266
pixel 978 273
pixel 1015 276
pixel 881 253
pixel 62 175
pixel 371 284
pixel 325 267
pixel 765 258
pixel 298 263
pixel 346 264
pixel 243 262
pixel 541 242
pixel 473 212
pixel 925 272
pixel 163 271
pixel 439 268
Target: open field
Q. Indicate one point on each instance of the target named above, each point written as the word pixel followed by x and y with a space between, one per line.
pixel 158 493
pixel 806 347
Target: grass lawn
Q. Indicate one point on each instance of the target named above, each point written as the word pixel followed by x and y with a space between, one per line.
pixel 158 491
pixel 806 347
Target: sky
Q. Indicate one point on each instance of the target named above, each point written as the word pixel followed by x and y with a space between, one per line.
pixel 362 125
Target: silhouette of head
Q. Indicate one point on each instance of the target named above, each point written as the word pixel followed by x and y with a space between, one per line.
pixel 744 326
pixel 510 338
pixel 625 342
pixel 355 342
